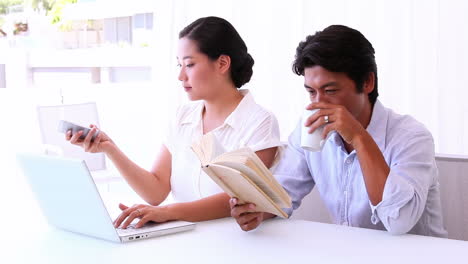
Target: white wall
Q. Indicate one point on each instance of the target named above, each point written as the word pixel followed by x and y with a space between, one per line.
pixel 420 51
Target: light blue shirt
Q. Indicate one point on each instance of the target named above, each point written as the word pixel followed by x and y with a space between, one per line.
pixel 411 198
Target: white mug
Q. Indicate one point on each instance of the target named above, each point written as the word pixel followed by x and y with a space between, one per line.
pixel 314 141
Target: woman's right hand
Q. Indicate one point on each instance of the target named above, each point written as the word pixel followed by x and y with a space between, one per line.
pixel 100 143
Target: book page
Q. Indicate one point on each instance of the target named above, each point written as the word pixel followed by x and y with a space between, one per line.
pixel 216 148
pixel 242 174
pixel 246 161
pixel 238 185
pixel 252 175
pixel 220 181
pixel 285 200
pixel 208 148
pixel 198 150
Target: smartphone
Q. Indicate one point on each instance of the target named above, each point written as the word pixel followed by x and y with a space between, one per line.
pixel 64 126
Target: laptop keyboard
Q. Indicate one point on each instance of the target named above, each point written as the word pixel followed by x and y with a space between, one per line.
pixel 131 229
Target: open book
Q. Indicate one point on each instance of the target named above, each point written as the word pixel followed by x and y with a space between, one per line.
pixel 242 174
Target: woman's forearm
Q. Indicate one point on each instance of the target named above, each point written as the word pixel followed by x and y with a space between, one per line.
pixel 212 207
pixel 146 184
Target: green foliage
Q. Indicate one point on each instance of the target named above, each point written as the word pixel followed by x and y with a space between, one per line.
pixel 56 10
pixel 5 4
pixel 52 8
pixel 41 4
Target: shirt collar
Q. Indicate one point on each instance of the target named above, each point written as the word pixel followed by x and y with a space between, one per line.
pixel 194 116
pixel 234 120
pixel 377 126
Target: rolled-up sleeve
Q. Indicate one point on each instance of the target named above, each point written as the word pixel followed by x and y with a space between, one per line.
pixel 292 171
pixel 267 134
pixel 412 172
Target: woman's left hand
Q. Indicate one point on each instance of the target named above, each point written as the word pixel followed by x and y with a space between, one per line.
pixel 144 212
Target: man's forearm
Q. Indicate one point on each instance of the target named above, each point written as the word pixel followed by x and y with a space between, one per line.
pixel 374 168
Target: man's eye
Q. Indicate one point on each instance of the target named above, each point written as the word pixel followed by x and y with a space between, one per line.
pixel 311 91
pixel 330 91
pixel 190 65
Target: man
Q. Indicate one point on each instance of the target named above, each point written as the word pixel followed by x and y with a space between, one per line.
pixel 377 168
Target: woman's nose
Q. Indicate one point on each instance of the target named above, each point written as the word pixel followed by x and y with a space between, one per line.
pixel 182 76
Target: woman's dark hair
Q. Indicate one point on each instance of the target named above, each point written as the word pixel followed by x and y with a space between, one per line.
pixel 215 37
pixel 339 49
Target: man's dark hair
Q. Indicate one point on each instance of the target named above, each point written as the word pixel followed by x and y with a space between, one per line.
pixel 339 49
pixel 215 37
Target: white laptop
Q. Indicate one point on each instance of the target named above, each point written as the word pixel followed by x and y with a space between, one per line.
pixel 70 200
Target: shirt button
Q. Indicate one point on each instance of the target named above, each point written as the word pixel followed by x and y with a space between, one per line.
pixel 345 223
pixel 348 161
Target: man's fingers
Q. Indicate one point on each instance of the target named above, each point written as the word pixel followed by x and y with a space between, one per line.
pixel 321 105
pixel 233 202
pixel 255 220
pixel 250 226
pixel 318 118
pixel 247 218
pixel 238 210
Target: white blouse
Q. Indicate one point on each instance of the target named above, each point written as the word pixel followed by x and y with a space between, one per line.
pixel 249 125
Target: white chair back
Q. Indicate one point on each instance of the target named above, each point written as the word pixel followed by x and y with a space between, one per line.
pixel 453 179
pixel 54 142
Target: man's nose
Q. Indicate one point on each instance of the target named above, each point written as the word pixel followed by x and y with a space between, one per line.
pixel 320 97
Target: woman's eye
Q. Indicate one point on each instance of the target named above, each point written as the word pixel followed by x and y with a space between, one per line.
pixel 312 92
pixel 190 65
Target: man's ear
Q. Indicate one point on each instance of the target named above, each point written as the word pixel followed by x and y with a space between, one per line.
pixel 369 84
pixel 224 63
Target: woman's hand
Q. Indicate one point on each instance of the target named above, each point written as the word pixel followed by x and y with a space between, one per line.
pixel 144 212
pixel 99 144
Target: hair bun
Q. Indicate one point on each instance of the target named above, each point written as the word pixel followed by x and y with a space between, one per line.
pixel 242 74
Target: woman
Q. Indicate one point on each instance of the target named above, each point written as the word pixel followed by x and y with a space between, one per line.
pixel 213 62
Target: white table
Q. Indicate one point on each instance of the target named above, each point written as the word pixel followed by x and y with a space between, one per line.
pixel 221 241
pixel 26 238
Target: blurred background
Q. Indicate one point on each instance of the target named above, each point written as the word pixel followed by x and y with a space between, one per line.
pixel 122 55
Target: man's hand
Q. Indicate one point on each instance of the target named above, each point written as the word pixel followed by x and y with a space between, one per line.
pixel 339 120
pixel 246 215
pixel 374 167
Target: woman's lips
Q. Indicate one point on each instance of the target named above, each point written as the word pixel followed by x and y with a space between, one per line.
pixel 187 88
